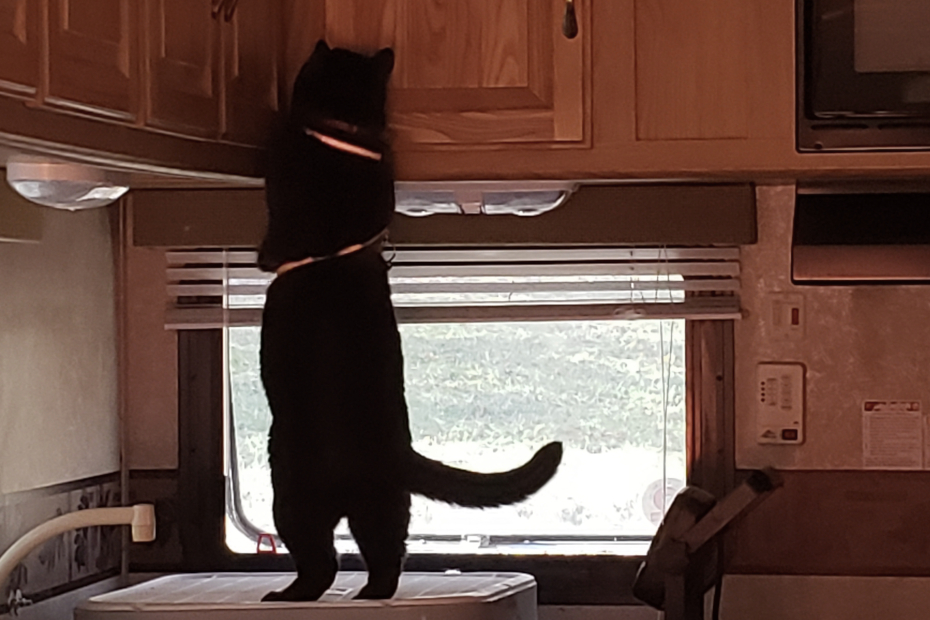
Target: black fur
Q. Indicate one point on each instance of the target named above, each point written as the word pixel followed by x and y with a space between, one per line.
pixel 331 353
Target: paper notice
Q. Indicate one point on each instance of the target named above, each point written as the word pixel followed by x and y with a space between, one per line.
pixel 892 434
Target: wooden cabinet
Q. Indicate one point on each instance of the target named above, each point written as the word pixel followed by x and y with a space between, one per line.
pixel 482 89
pixel 157 84
pixel 214 76
pixel 481 73
pixel 184 67
pixel 493 89
pixel 675 88
pixel 703 71
pixel 19 48
pixel 250 44
pixel 93 58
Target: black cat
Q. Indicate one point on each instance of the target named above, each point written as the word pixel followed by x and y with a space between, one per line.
pixel 331 358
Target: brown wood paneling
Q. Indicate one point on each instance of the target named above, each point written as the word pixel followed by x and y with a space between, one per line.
pixel 83 139
pixel 94 56
pixel 184 67
pixel 198 218
pixel 364 26
pixel 692 69
pixel 444 45
pixel 298 43
pixel 605 214
pixel 595 215
pixel 838 523
pixel 710 408
pixel 19 47
pixel 250 44
pixel 770 55
pixel 475 74
pixel 201 484
pixel 158 487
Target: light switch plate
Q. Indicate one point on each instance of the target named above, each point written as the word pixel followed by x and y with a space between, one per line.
pixel 787 316
pixel 780 403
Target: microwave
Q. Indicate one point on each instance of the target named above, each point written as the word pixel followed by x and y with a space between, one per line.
pixel 863 69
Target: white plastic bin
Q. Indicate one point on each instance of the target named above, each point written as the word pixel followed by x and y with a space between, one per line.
pixel 237 596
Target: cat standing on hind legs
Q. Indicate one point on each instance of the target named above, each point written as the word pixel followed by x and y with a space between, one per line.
pixel 331 360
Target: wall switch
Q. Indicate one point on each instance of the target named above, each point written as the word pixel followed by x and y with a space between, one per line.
pixel 780 403
pixel 787 315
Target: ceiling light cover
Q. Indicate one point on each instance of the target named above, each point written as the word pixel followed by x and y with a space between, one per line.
pixel 64 185
pixel 522 198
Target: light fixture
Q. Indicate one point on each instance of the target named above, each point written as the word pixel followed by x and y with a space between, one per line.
pixel 64 185
pixel 522 198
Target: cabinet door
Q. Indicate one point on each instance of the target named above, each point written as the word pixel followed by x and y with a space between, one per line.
pixel 19 47
pixel 93 56
pixel 477 73
pixel 705 70
pixel 250 45
pixel 184 67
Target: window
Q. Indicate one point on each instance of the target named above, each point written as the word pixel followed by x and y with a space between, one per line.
pixel 484 396
pixel 594 347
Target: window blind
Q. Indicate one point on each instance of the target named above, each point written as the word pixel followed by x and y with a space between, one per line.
pixel 212 288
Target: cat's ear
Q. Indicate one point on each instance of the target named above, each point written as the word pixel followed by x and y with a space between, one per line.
pixel 384 62
pixel 321 49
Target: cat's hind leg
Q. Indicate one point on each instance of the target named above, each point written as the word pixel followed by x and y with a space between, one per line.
pixel 307 531
pixel 379 526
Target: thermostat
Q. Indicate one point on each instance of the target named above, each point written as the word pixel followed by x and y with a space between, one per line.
pixel 780 403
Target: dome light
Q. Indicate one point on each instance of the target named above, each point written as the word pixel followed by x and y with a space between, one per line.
pixel 64 185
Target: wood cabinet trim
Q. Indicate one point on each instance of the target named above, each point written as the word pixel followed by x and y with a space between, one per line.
pixel 184 96
pixel 20 50
pixel 479 90
pixel 540 77
pixel 449 100
pixel 252 97
pixel 508 132
pixel 692 69
pixel 89 75
pixel 123 146
pixel 571 77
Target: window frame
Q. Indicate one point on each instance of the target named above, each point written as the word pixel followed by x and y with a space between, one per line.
pixel 561 580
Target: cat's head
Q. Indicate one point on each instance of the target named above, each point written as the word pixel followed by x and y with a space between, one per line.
pixel 321 198
pixel 339 89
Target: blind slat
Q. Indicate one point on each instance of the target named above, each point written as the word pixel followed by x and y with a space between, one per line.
pixel 473 255
pixel 572 269
pixel 527 287
pixel 211 318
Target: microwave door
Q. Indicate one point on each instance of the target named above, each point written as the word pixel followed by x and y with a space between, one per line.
pixel 870 58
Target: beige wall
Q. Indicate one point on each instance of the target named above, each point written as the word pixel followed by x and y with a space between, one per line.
pixel 58 354
pixel 151 365
pixel 862 342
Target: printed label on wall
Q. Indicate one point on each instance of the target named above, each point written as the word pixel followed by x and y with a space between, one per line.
pixel 892 434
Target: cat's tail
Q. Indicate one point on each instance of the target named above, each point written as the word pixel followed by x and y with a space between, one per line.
pixel 444 483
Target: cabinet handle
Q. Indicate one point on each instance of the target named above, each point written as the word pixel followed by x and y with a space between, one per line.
pixel 569 21
pixel 226 7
